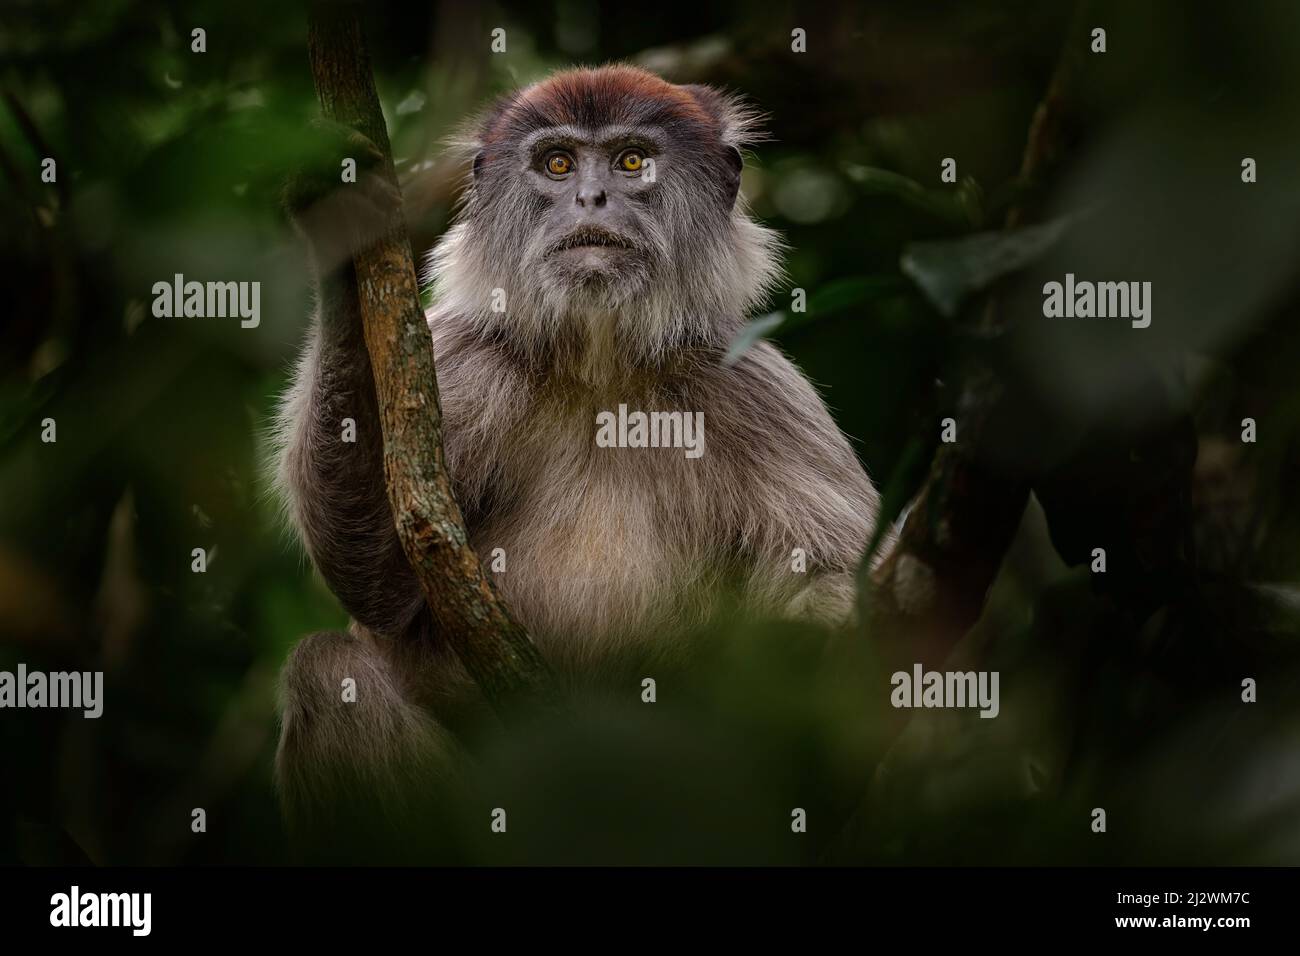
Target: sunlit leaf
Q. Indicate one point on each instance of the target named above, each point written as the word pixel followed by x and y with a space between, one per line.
pixel 751 333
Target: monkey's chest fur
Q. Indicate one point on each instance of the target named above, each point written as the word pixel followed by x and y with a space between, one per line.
pixel 599 545
pixel 601 548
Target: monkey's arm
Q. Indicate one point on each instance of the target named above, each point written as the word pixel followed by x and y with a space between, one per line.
pixel 335 487
pixel 816 506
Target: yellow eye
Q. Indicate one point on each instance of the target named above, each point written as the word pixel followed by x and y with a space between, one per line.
pixel 631 161
pixel 557 164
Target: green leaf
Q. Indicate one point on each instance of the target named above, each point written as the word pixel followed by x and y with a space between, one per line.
pixel 754 330
pixel 970 197
pixel 854 291
pixel 944 204
pixel 904 482
pixel 835 296
pixel 947 271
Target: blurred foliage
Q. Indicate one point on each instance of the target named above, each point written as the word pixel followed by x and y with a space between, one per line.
pixel 1124 696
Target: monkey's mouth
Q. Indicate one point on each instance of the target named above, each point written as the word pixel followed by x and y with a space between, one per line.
pixel 591 237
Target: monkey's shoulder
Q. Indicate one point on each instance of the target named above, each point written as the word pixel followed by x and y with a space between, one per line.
pixel 476 376
pixel 764 398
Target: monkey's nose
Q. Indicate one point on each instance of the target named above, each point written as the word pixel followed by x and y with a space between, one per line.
pixel 593 196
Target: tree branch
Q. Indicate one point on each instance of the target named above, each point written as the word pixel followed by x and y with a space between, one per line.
pixel 933 584
pixel 469 614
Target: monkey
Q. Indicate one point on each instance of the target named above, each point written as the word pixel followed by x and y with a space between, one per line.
pixel 602 256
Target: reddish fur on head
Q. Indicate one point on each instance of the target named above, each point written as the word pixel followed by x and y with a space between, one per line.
pixel 601 96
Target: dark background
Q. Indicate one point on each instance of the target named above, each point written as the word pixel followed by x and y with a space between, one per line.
pixel 1122 694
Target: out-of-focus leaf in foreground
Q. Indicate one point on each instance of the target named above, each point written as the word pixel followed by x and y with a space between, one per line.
pixel 948 271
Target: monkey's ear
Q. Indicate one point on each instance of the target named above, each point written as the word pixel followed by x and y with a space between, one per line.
pixel 735 166
pixel 739 124
pixel 478 164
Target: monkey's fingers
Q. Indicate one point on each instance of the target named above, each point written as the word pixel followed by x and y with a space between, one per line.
pixel 349 220
pixel 336 156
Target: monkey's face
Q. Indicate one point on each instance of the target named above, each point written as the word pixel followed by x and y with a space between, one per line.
pixel 596 230
pixel 610 210
pixel 607 197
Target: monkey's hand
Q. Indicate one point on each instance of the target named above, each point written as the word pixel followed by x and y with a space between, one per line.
pixel 340 198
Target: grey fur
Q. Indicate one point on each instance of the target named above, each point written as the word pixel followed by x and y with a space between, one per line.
pixel 606 548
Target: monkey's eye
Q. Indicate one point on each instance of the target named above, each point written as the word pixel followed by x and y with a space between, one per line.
pixel 631 160
pixel 559 164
